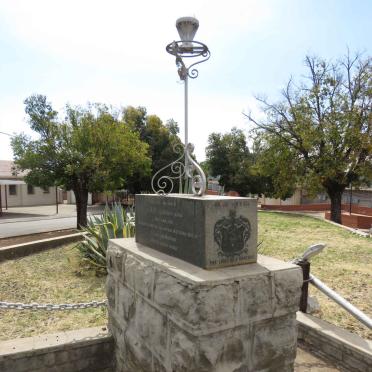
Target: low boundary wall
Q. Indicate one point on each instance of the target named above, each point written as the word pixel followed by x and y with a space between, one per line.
pixel 350 352
pixel 83 350
pixel 297 207
pixel 357 221
pixel 92 349
pixel 321 207
pixel 20 250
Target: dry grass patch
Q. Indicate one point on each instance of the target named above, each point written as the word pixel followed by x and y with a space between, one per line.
pixel 55 276
pixel 50 277
pixel 345 265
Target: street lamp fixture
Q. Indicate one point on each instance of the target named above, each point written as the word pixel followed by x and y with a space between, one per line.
pixel 187 169
pixel 187 27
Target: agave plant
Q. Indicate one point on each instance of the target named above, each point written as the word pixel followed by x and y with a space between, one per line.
pixel 113 223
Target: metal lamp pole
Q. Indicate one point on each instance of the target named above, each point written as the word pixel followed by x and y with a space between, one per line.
pixel 186 83
pixel 186 110
pixel 183 49
pixel 185 166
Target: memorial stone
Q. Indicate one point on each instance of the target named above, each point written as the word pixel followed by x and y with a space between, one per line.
pixel 208 231
pixel 166 314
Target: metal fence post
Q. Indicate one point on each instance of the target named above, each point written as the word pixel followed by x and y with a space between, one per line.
pixel 305 266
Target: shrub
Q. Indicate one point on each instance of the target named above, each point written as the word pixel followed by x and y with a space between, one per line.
pixel 113 223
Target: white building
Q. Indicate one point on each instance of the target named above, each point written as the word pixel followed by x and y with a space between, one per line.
pixel 14 192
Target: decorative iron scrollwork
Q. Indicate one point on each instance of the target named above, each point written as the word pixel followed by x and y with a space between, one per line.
pixel 185 170
pixel 164 184
pixel 193 49
pixel 194 172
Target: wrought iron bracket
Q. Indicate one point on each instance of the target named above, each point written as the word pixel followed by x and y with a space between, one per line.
pixel 182 170
pixel 192 50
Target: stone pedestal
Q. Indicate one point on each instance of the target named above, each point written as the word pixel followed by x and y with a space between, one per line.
pixel 168 315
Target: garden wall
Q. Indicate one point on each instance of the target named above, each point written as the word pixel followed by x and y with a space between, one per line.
pixel 358 209
pixel 357 221
pixel 317 207
pixel 84 350
pixel 297 207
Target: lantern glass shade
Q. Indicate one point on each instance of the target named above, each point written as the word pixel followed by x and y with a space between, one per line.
pixel 187 27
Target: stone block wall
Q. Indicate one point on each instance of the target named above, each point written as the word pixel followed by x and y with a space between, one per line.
pixel 168 315
pixel 85 350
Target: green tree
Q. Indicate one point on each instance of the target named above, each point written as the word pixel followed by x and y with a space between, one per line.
pixel 228 156
pixel 91 150
pixel 162 140
pixel 173 127
pixel 319 136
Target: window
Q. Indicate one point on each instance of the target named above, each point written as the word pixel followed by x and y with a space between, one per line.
pixel 12 190
pixel 46 190
pixel 30 189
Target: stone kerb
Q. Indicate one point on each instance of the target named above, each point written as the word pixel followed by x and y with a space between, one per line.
pixel 24 249
pixel 168 315
pixel 83 350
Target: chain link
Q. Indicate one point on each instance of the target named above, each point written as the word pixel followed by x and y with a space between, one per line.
pixel 49 307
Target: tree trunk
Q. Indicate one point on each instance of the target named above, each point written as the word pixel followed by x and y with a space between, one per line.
pixel 336 198
pixel 81 197
pixel 335 190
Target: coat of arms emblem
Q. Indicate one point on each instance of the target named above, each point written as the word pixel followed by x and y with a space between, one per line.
pixel 231 234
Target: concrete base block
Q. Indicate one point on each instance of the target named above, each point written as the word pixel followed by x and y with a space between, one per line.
pixel 168 315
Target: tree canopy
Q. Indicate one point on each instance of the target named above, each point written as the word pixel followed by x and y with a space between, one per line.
pixel 319 136
pixel 228 156
pixel 90 150
pixel 161 139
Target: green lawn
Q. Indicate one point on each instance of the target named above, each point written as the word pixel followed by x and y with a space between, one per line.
pixel 345 265
pixel 55 276
pixel 50 277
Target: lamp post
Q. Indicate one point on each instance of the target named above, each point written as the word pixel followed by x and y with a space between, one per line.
pixel 183 50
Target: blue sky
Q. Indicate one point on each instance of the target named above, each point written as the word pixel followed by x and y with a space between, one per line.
pixel 114 52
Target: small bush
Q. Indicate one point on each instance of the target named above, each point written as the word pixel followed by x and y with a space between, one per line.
pixel 113 223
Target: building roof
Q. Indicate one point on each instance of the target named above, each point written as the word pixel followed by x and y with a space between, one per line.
pixel 6 171
pixel 11 182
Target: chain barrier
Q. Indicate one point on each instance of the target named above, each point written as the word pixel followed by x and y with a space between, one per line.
pixel 49 307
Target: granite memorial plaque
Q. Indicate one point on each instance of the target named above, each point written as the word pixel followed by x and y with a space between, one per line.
pixel 208 231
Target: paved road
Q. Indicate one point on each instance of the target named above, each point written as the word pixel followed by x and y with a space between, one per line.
pixel 16 228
